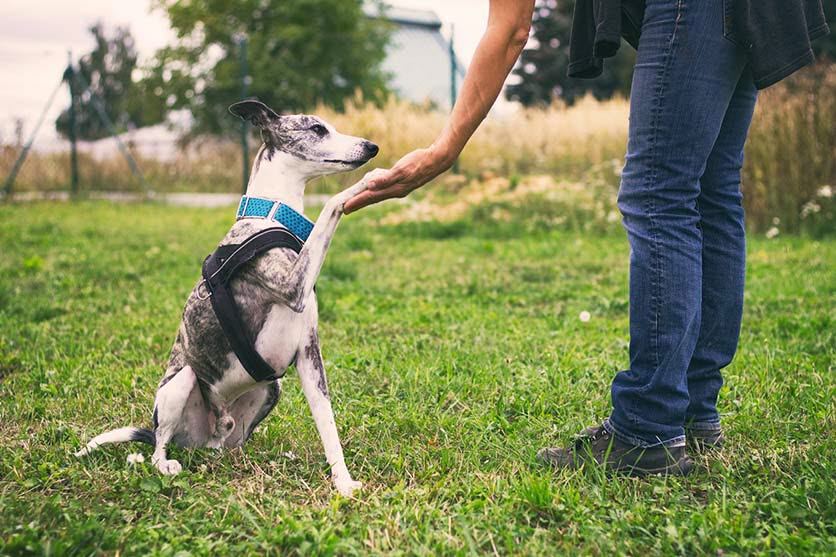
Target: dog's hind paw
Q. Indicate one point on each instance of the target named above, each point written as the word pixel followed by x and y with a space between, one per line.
pixel 348 488
pixel 169 467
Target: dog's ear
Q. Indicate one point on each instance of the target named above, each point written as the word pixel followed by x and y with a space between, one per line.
pixel 255 112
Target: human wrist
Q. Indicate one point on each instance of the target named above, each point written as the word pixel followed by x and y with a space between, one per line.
pixel 444 153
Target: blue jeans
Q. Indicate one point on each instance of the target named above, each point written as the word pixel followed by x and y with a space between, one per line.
pixel 691 104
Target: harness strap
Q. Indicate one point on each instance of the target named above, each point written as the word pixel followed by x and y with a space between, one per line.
pixel 218 269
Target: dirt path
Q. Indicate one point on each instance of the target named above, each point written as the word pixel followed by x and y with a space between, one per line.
pixel 182 199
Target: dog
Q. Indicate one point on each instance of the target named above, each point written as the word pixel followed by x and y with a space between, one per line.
pixel 206 397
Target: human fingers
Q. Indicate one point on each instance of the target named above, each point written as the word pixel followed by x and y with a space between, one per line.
pixel 368 197
pixel 380 178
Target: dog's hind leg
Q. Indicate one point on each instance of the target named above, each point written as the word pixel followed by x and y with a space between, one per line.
pixel 312 376
pixel 224 422
pixel 250 409
pixel 169 407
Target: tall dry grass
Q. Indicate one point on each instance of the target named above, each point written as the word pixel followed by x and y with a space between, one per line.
pixel 556 139
pixel 788 173
pixel 210 166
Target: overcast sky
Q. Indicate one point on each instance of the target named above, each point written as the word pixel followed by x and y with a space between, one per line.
pixel 35 36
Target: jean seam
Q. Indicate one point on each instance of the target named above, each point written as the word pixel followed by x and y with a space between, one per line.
pixel 613 430
pixel 702 430
pixel 729 32
pixel 652 176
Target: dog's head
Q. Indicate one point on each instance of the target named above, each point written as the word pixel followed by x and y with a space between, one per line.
pixel 318 148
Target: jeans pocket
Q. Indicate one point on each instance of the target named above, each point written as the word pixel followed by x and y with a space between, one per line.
pixel 732 26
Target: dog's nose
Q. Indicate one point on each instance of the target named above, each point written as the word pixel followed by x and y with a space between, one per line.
pixel 370 148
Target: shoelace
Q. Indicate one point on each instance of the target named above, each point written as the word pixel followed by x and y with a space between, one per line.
pixel 599 433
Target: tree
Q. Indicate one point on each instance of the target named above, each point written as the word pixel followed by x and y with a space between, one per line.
pixel 108 70
pixel 299 53
pixel 541 71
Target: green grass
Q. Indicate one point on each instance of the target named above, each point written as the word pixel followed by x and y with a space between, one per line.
pixel 453 353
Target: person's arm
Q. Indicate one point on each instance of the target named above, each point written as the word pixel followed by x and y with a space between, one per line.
pixel 507 32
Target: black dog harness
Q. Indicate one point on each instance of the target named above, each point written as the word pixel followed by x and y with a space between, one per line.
pixel 218 269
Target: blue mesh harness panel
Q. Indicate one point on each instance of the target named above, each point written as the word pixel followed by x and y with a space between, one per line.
pixel 257 207
pixel 294 222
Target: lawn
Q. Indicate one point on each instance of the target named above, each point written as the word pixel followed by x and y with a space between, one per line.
pixel 453 352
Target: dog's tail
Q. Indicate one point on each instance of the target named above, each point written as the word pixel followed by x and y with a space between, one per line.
pixel 119 436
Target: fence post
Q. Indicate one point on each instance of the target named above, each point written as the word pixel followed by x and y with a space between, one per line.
pixel 7 187
pixel 69 75
pixel 453 92
pixel 245 148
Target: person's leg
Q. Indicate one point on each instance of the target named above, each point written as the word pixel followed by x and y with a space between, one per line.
pixel 723 264
pixel 685 77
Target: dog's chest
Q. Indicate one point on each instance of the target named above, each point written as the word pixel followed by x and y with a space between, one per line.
pixel 278 342
pixel 281 336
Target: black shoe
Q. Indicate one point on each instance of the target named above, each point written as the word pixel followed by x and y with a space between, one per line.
pixel 596 445
pixel 702 440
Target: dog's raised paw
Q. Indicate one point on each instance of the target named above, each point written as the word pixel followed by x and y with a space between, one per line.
pixel 348 488
pixel 169 467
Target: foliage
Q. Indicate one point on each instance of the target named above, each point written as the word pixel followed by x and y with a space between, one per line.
pixel 826 46
pixel 528 204
pixel 299 53
pixel 450 362
pixel 108 70
pixel 540 73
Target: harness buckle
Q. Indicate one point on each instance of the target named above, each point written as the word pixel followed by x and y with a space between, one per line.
pixel 200 285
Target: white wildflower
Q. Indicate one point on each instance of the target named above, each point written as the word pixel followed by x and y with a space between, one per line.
pixel 825 191
pixel 584 316
pixel 776 221
pixel 135 458
pixel 772 232
pixel 808 208
pixel 289 455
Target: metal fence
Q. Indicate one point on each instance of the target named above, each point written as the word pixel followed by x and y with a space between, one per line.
pixel 152 159
pixel 166 166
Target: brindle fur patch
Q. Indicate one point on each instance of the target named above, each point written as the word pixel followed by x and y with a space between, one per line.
pixel 293 135
pixel 315 356
pixel 201 342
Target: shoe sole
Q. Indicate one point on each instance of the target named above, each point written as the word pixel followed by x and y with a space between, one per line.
pixel 681 468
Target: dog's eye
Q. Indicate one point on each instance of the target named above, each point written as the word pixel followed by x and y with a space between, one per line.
pixel 319 129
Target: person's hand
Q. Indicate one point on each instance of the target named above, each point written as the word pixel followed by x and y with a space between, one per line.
pixel 410 173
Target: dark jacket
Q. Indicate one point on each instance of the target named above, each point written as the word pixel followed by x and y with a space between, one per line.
pixel 597 28
pixel 776 33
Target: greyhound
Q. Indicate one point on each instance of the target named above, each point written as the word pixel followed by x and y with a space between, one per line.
pixel 206 397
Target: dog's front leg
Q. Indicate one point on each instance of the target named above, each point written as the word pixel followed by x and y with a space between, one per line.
pixel 312 376
pixel 302 276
